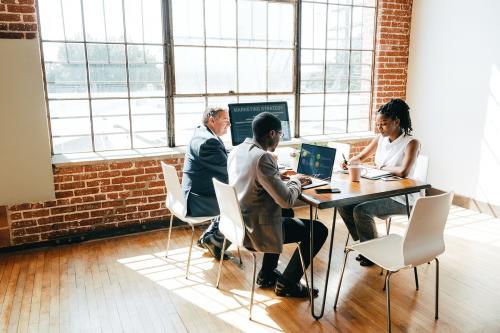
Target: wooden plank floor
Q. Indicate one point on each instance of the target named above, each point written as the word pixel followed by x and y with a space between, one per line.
pixel 126 284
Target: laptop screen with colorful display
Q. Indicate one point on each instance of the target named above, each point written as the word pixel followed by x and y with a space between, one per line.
pixel 316 161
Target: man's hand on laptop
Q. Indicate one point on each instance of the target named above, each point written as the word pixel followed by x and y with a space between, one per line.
pixel 286 174
pixel 304 180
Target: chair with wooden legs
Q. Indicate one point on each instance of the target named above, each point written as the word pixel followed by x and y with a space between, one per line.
pixel 177 205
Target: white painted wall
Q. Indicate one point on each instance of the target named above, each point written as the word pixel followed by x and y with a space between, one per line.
pixel 454 93
pixel 25 168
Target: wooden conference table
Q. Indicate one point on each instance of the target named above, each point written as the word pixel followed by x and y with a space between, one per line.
pixel 352 193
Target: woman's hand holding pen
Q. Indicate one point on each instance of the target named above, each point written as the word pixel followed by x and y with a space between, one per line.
pixel 352 160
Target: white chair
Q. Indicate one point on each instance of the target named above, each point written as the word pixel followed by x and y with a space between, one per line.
pixel 422 242
pixel 231 225
pixel 177 205
pixel 420 173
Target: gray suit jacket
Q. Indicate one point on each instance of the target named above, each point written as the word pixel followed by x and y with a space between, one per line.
pixel 206 157
pixel 262 194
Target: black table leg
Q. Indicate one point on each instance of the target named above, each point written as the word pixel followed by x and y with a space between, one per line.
pixel 311 237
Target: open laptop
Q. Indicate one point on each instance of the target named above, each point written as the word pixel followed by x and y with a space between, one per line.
pixel 317 163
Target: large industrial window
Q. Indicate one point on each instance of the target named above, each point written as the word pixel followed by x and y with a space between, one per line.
pixel 337 51
pixel 127 74
pixel 104 70
pixel 228 51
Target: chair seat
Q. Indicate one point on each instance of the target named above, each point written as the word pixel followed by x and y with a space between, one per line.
pixel 196 219
pixel 383 251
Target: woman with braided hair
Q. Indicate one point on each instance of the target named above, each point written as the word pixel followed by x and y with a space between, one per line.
pixel 396 151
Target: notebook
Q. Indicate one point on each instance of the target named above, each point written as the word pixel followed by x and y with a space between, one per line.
pixel 317 163
pixel 375 173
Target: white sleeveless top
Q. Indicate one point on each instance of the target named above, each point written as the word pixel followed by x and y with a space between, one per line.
pixel 391 154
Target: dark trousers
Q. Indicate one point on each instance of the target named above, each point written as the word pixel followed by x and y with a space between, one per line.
pixel 296 230
pixel 359 218
pixel 214 236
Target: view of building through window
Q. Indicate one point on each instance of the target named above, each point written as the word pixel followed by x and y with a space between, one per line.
pixel 104 63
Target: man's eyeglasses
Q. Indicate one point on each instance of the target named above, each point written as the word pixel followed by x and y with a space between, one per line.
pixel 280 133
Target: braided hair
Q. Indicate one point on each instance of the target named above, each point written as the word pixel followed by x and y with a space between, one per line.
pixel 397 109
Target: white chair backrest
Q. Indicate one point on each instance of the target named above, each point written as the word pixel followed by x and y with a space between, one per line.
pixel 424 239
pixel 421 168
pixel 231 223
pixel 176 202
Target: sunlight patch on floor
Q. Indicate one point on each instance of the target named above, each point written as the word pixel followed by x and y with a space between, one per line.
pixel 229 304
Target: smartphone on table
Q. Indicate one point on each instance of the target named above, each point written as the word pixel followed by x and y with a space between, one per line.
pixel 327 190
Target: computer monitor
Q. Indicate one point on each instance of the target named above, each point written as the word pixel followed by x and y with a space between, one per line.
pixel 241 116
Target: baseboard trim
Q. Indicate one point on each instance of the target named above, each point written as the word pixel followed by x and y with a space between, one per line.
pixel 95 234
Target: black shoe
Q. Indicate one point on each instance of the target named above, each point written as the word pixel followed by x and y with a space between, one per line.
pixel 293 290
pixel 200 243
pixel 215 251
pixel 366 262
pixel 268 280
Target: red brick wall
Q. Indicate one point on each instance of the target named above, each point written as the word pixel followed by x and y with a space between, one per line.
pixel 106 195
pixel 93 197
pixel 18 19
pixel 392 49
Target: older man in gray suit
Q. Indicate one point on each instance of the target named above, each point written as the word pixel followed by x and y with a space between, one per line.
pixel 262 193
pixel 206 158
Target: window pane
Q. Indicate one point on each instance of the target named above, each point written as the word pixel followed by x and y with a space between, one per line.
pixel 313 25
pixel 110 107
pixel 252 99
pixel 143 21
pixel 290 101
pixel 342 2
pixel 150 140
pixel 74 144
pixel 359 112
pixel 189 70
pixel 61 20
pixel 149 106
pixel 339 22
pixel 369 3
pixel 280 25
pixel 103 20
pixel 363 23
pixel 220 18
pixel 361 71
pixel 107 54
pixel 66 80
pixel 146 80
pixel 311 114
pixel 151 17
pixel 335 113
pixel 105 142
pixel 221 70
pixel 51 19
pixel 107 71
pixel 187 19
pixel 111 124
pixel 71 126
pixel 70 109
pixel 337 71
pixel 252 23
pixel 312 71
pixel 145 123
pixel 188 113
pixel 280 70
pixel 63 52
pixel 252 70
